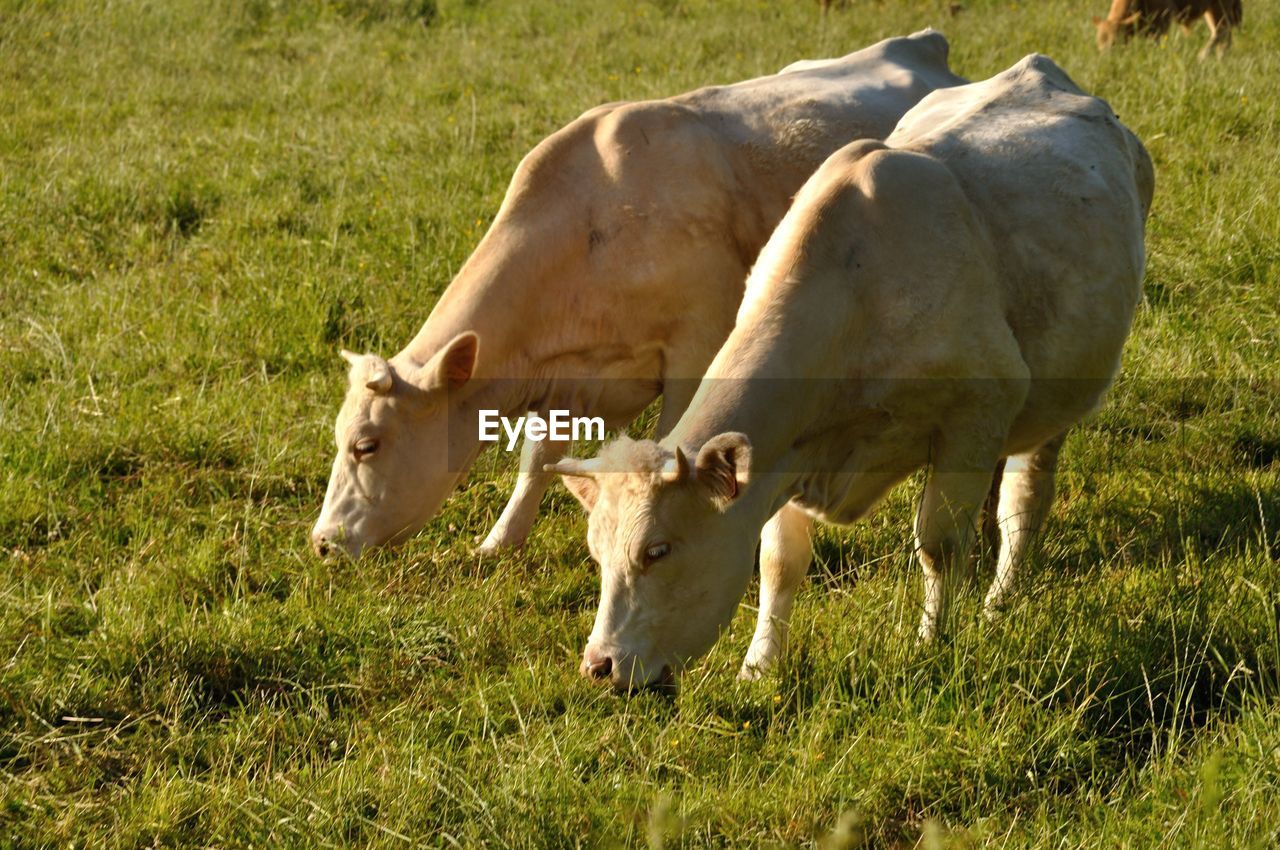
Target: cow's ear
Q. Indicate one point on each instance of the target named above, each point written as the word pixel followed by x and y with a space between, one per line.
pixel 1097 22
pixel 458 360
pixel 580 477
pixel 585 490
pixel 724 467
pixel 1132 19
pixel 453 365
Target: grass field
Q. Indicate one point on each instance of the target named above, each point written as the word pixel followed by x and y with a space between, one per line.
pixel 201 201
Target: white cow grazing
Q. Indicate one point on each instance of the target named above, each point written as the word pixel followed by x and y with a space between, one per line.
pixel 956 295
pixel 610 275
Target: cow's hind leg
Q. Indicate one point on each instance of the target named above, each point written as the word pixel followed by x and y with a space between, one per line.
pixel 512 528
pixel 946 526
pixel 1026 493
pixel 785 555
pixel 1219 34
pixel 990 540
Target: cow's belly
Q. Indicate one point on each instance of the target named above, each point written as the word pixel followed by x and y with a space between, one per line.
pixel 1069 386
pixel 1051 407
pixel 616 386
pixel 618 401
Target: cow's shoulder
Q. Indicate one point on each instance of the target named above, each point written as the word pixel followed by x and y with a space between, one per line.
pixel 646 123
pixel 867 213
pixel 612 136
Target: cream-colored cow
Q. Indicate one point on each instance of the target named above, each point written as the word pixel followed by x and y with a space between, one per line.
pixel 956 295
pixel 611 274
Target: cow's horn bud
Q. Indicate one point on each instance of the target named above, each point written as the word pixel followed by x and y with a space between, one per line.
pixel 379 380
pixel 677 468
pixel 572 466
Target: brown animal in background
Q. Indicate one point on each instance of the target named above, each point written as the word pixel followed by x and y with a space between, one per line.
pixel 1153 18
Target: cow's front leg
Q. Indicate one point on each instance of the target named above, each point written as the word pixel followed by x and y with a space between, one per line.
pixel 512 528
pixel 683 368
pixel 945 531
pixel 785 555
pixel 676 395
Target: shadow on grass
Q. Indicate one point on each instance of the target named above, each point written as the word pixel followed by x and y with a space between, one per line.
pixel 1096 687
pixel 1184 519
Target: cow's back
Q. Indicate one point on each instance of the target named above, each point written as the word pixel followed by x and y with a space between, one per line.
pixel 1154 16
pixel 1070 252
pixel 662 205
pixel 834 101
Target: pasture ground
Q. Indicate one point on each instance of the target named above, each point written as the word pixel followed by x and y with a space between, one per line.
pixel 201 201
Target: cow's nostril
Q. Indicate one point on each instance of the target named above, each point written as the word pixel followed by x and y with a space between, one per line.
pixel 322 547
pixel 601 669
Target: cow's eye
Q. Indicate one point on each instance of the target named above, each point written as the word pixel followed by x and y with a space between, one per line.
pixel 363 448
pixel 656 552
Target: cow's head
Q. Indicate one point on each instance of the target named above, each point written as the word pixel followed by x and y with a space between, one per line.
pixel 1111 30
pixel 675 556
pixel 395 465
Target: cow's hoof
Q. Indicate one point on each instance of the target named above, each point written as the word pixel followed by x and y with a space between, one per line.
pixel 497 546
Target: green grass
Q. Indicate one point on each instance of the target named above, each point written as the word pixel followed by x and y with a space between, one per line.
pixel 201 201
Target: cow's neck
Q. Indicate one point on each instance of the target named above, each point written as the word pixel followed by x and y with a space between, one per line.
pixel 775 381
pixel 766 409
pixel 479 299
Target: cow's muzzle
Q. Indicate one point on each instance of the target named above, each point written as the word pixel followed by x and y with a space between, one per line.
pixel 600 667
